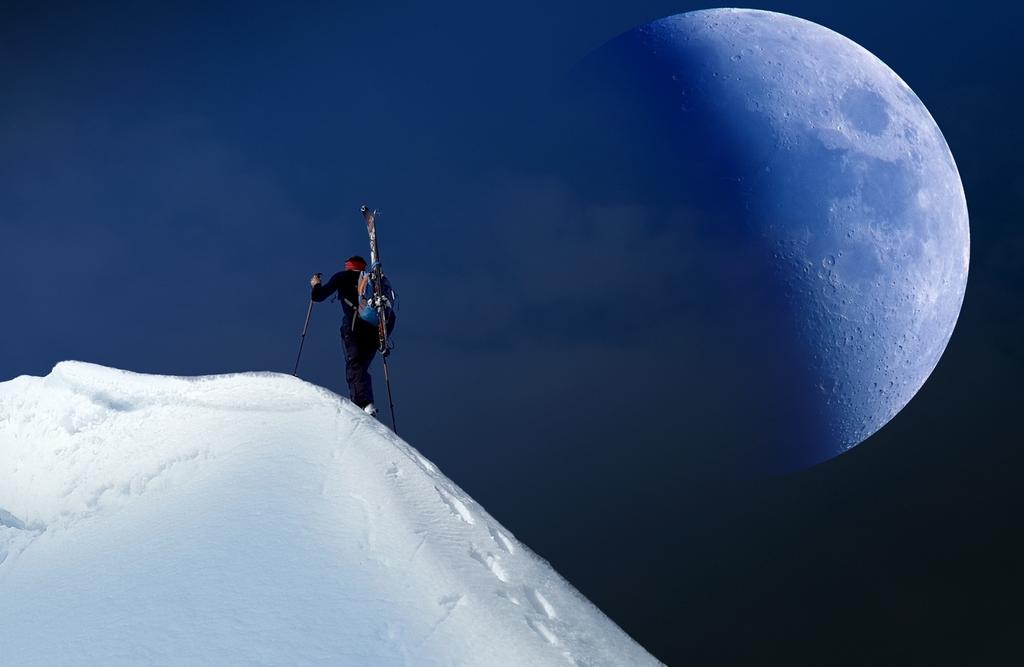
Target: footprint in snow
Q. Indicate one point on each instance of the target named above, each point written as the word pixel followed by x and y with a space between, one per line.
pixel 543 631
pixel 10 521
pixel 491 562
pixel 426 464
pixel 540 603
pixel 450 602
pixel 457 507
pixel 501 540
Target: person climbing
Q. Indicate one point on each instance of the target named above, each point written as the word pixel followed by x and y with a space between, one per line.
pixel 359 337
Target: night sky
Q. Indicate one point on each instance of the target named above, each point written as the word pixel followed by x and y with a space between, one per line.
pixel 170 177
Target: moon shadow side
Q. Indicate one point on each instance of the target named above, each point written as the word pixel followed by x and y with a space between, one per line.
pixel 642 129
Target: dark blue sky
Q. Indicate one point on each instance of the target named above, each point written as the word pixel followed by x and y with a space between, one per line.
pixel 170 176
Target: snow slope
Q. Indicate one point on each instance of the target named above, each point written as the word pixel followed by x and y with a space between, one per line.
pixel 255 519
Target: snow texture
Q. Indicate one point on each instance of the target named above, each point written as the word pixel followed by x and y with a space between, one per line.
pixel 255 519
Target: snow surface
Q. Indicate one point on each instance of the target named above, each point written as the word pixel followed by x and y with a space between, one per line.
pixel 255 519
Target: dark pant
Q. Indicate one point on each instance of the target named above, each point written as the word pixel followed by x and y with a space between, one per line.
pixel 360 348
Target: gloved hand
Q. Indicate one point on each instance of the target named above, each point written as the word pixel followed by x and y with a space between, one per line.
pixel 315 280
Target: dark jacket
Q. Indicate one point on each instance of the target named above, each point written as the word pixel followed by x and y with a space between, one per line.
pixel 346 285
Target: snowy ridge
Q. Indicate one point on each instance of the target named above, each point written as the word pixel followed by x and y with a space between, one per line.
pixel 255 519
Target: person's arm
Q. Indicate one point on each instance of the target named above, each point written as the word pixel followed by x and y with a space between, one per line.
pixel 321 292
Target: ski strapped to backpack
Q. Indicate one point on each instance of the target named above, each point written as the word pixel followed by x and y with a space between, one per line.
pixel 377 298
pixel 374 302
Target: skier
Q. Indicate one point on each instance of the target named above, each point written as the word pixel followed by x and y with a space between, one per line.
pixel 360 338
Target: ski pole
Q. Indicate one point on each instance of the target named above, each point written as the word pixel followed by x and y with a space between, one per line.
pixel 302 340
pixel 391 402
pixel 385 350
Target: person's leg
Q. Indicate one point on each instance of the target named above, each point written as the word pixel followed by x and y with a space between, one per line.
pixel 366 344
pixel 357 367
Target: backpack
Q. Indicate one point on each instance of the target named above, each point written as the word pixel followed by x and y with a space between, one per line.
pixel 365 290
